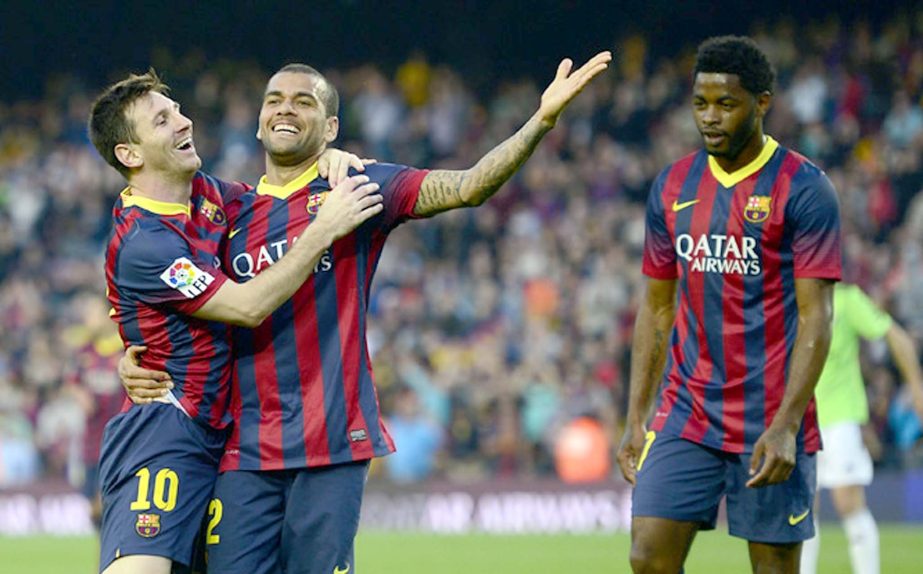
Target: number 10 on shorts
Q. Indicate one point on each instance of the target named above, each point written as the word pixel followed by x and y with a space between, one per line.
pixel 166 487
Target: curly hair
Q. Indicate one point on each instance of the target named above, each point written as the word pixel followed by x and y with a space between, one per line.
pixel 737 55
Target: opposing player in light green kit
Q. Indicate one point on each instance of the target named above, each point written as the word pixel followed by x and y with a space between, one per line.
pixel 845 466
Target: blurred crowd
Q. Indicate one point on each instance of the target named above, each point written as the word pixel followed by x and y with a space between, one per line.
pixel 494 332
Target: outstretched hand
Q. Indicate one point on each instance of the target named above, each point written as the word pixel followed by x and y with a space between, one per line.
pixel 567 85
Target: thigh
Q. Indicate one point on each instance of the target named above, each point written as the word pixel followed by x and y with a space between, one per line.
pixel 157 471
pixel 844 461
pixel 244 523
pixel 777 514
pixel 679 480
pixel 322 518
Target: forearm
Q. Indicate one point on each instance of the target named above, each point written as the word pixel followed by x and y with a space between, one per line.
pixel 443 189
pixel 648 357
pixel 248 304
pixel 809 353
pixel 906 359
pixel 267 291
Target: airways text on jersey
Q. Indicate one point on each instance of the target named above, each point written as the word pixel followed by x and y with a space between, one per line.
pixel 718 253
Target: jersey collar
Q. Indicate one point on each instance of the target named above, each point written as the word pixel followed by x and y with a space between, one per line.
pixel 729 180
pixel 153 205
pixel 284 191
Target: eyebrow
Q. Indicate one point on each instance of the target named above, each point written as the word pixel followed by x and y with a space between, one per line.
pixel 297 95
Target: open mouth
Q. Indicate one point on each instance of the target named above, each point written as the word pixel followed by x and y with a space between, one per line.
pixel 285 129
pixel 185 145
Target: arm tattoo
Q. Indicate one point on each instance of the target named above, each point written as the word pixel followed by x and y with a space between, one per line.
pixel 442 190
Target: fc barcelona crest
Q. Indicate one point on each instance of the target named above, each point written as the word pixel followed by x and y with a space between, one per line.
pixel 757 209
pixel 212 212
pixel 315 201
pixel 148 525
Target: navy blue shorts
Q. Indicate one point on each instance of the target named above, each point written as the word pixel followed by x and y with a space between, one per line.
pixel 681 480
pixel 157 472
pixel 300 521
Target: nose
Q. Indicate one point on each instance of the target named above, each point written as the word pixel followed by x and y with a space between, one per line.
pixel 183 122
pixel 710 115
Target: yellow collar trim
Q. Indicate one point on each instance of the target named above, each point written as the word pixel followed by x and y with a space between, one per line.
pixel 284 191
pixel 729 180
pixel 153 205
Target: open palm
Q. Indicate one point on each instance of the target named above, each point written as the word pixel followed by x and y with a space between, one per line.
pixel 567 85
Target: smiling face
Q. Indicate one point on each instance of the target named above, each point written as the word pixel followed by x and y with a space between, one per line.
pixel 293 125
pixel 163 138
pixel 729 117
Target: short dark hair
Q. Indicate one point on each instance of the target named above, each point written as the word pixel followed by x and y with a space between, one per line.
pixel 737 55
pixel 109 125
pixel 327 92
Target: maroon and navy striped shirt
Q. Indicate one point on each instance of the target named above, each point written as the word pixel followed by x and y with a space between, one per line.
pixel 303 393
pixel 161 266
pixel 736 243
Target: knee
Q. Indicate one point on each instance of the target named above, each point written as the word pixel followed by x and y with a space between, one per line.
pixel 645 561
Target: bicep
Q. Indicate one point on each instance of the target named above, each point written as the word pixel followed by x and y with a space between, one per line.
pixel 440 191
pixel 660 297
pixel 814 297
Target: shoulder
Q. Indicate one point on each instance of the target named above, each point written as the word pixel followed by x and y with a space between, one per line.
pixel 383 172
pixel 147 237
pixel 213 187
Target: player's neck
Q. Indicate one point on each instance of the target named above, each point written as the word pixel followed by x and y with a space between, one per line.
pixel 161 189
pixel 283 175
pixel 747 154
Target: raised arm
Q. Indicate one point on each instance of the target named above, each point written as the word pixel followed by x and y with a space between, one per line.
pixel 774 452
pixel 443 190
pixel 648 357
pixel 247 304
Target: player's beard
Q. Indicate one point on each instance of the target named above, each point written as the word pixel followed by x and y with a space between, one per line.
pixel 738 139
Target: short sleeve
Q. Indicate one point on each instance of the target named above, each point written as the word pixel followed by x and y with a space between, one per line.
pixel 400 187
pixel 659 260
pixel 156 266
pixel 864 316
pixel 814 215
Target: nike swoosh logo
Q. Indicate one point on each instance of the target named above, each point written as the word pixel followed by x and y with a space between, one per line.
pixel 681 206
pixel 794 520
pixel 233 232
pixel 336 569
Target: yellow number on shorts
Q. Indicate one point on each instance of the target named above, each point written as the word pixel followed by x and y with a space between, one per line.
pixel 215 510
pixel 166 488
pixel 648 441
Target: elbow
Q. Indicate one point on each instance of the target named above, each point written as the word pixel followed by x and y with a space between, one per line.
pixel 250 316
pixel 250 321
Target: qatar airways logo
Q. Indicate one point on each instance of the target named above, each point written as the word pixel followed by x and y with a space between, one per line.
pixel 249 264
pixel 715 253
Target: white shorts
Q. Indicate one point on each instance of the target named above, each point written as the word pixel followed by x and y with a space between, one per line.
pixel 844 461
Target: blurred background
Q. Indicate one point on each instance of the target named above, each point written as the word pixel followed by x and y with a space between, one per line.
pixel 500 336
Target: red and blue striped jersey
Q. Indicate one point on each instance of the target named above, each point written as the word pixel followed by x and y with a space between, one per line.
pixel 736 243
pixel 161 266
pixel 303 393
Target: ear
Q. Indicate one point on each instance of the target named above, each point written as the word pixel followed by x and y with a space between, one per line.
pixel 331 129
pixel 259 133
pixel 128 156
pixel 763 103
